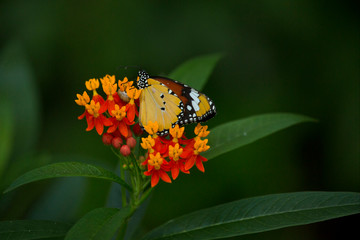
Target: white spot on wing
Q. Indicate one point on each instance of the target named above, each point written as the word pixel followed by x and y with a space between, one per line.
pixel 194 95
pixel 195 105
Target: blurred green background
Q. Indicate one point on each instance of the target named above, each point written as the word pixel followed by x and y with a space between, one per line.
pixel 280 56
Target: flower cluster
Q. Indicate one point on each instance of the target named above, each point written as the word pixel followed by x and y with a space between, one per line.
pixel 117 112
pixel 162 154
pixel 174 153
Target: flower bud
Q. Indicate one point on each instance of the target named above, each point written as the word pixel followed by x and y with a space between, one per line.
pixel 125 150
pixel 131 142
pixel 137 129
pixel 116 142
pixel 107 138
pixel 141 159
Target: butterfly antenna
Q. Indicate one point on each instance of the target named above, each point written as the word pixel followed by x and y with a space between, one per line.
pixel 128 66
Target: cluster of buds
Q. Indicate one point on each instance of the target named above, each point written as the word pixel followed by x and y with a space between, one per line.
pixel 163 154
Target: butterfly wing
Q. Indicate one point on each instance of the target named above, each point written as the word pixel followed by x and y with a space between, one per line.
pixel 169 102
pixel 197 106
pixel 161 104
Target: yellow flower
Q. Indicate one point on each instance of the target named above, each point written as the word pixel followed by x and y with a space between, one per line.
pixel 201 131
pixel 124 84
pixel 93 108
pixel 175 152
pixel 92 84
pixel 152 128
pixel 109 89
pixel 119 113
pixel 82 99
pixel 176 132
pixel 133 93
pixel 156 160
pixel 147 143
pixel 200 146
pixel 108 79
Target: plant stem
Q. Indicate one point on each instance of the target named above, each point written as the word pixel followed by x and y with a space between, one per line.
pixel 134 206
pixel 122 231
pixel 144 196
pixel 138 195
pixel 122 189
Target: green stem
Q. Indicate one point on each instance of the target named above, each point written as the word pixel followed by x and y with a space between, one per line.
pixel 134 207
pixel 138 195
pixel 136 165
pixel 122 189
pixel 144 196
pixel 122 231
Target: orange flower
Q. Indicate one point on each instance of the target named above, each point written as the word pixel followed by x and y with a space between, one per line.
pixel 110 89
pixel 95 117
pixel 92 84
pixel 82 101
pixel 108 80
pixel 133 94
pixel 201 131
pixel 148 143
pixel 157 168
pixel 192 151
pixel 152 128
pixel 119 121
pixel 176 163
pixel 176 132
pixel 160 142
pixel 123 85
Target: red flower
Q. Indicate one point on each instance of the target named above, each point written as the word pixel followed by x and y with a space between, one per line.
pixel 119 121
pixel 82 100
pixel 131 109
pixel 157 168
pixel 177 164
pixel 96 117
pixel 192 151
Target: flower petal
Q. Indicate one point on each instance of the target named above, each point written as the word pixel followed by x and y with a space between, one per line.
pixel 99 126
pixel 199 164
pixel 154 179
pixel 106 121
pixel 190 162
pixel 164 176
pixel 175 171
pixel 82 116
pixel 131 112
pixel 90 122
pixel 123 129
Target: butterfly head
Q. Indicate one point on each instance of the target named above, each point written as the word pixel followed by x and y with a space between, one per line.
pixel 143 77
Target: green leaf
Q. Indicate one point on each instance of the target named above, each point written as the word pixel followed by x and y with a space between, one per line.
pixel 195 72
pixel 6 132
pixel 32 229
pixel 101 224
pixel 259 214
pixel 231 135
pixel 66 169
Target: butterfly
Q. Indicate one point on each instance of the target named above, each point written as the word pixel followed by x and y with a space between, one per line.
pixel 169 102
